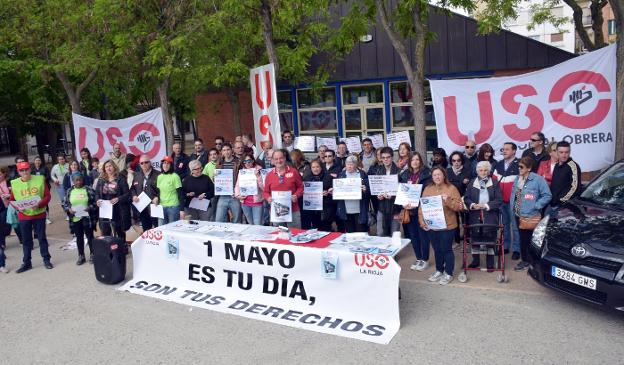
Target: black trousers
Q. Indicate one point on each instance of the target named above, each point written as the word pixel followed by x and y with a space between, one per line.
pixel 352 224
pixel 110 227
pixel 311 219
pixel 147 222
pixel 525 241
pixel 82 228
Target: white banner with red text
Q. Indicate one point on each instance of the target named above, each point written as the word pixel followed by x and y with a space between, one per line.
pixel 573 101
pixel 142 134
pixel 264 105
pixel 330 291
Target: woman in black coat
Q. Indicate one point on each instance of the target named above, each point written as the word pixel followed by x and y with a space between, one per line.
pixel 483 199
pixel 113 186
pixel 320 219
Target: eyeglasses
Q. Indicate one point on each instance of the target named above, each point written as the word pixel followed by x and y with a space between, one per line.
pixel 145 163
pixel 197 169
pixel 455 160
pixel 248 161
pixel 535 140
pixel 470 147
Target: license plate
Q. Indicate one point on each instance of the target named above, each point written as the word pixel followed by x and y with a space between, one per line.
pixel 574 278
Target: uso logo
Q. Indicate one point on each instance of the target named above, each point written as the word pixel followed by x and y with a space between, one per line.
pixel 371 261
pixel 152 236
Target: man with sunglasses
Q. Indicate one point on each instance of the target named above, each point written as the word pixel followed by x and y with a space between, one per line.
pixel 470 152
pixel 219 142
pixel 537 151
pixel 145 181
pixel 34 189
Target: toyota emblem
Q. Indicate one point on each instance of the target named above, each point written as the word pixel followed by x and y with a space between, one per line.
pixel 578 251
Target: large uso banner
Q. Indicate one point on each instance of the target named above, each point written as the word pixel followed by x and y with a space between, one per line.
pixel 283 284
pixel 573 101
pixel 142 134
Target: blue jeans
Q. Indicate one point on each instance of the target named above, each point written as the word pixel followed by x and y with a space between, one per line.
pixel 511 236
pixel 419 238
pixel 228 203
pixel 60 190
pixel 442 242
pixel 253 214
pixel 171 214
pixel 26 228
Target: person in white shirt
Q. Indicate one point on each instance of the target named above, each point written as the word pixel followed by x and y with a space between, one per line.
pixel 58 173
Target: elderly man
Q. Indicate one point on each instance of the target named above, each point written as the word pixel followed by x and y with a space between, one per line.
pixel 470 152
pixel 180 161
pixel 145 182
pixel 30 196
pixel 118 158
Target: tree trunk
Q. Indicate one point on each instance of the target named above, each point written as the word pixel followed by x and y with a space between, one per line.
pixel 577 16
pixel 417 83
pixel 618 11
pixel 267 34
pixel 236 115
pixel 163 98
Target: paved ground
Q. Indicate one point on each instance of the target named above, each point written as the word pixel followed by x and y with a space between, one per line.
pixel 64 315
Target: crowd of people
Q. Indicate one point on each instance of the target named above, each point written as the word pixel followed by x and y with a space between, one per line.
pixel 474 187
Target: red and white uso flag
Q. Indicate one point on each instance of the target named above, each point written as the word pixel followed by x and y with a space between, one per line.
pixel 264 105
pixel 142 134
pixel 573 101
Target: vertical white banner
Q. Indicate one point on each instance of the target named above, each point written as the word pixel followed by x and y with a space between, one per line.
pixel 264 104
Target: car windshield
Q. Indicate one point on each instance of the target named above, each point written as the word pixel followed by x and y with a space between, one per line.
pixel 608 189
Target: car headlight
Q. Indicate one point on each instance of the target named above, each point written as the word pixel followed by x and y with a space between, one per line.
pixel 540 232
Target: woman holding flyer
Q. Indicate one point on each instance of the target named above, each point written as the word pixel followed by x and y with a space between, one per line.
pixel 249 179
pixel 170 192
pixel 80 206
pixel 439 202
pixel 416 173
pixel 113 187
pixel 199 187
pixel 320 219
pixel 354 212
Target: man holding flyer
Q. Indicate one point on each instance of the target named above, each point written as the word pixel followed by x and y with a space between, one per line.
pixel 284 178
pixel 30 196
pixel 386 224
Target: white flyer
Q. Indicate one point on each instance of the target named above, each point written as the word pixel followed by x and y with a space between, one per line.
pixel 395 139
pixel 378 140
pixel 247 182
pixel 157 211
pixel 143 202
pixel 383 184
pixel 80 211
pixel 329 142
pixel 281 206
pixel 347 189
pixel 312 195
pixel 408 194
pixel 224 181
pixel 433 212
pixel 353 144
pixel 199 204
pixel 106 209
pixel 305 143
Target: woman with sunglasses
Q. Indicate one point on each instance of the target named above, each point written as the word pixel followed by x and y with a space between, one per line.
pixel 197 186
pixel 252 205
pixel 170 192
pixel 486 153
pixel 547 167
pixel 529 195
pixel 416 173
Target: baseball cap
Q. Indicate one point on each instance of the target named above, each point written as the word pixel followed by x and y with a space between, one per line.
pixel 23 165
pixel 168 159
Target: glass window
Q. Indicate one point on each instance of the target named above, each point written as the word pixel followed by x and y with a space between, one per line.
pixel 374 118
pixel 317 120
pixel 366 94
pixel 323 98
pixel 286 120
pixel 353 119
pixel 611 26
pixel 284 100
pixel 401 92
pixel 556 37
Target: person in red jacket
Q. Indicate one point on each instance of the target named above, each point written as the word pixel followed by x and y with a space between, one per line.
pixel 284 178
pixel 547 167
pixel 30 196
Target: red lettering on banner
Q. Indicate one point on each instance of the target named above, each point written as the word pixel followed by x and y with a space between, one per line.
pixel 82 143
pixel 486 115
pixel 265 120
pixel 139 130
pixel 582 121
pixel 137 137
pixel 535 116
pixel 371 260
pixel 112 134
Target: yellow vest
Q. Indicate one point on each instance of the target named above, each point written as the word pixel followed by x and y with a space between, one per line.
pixel 25 190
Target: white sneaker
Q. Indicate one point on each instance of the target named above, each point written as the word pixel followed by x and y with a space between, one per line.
pixel 66 218
pixel 435 276
pixel 4 270
pixel 416 266
pixel 48 221
pixel 423 265
pixel 446 279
